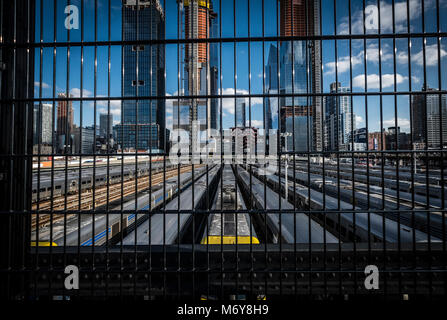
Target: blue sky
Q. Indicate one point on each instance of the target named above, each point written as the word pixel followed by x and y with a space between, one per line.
pixel 253 50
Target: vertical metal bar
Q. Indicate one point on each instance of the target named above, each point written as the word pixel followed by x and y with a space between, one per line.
pixel 338 148
pixel 179 35
pixel 107 140
pixel 278 44
pixel 124 13
pixel 249 160
pixel 222 292
pixel 413 154
pixel 95 91
pixel 383 154
pixel 267 136
pixel 367 133
pixel 441 114
pixel 427 155
pixel 397 143
pixel 137 129
pixel 39 125
pixel 81 105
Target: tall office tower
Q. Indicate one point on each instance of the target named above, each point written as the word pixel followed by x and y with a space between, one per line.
pixel 143 122
pixel 271 86
pixel 300 69
pixel 105 125
pixel 428 122
pixel 240 113
pixel 83 139
pixel 64 124
pixel 339 122
pixel 43 124
pixel 214 71
pixel 200 71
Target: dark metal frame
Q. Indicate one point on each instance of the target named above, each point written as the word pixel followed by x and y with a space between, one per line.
pixel 185 270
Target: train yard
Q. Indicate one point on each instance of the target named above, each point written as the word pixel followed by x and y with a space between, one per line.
pixel 159 203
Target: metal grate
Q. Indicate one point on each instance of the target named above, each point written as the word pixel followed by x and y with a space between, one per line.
pixel 223 149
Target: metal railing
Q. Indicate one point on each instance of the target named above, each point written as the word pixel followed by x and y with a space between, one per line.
pixel 313 164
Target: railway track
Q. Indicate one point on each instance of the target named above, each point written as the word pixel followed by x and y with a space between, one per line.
pixel 84 201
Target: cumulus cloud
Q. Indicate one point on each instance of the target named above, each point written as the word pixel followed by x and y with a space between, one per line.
pixel 76 93
pixel 44 85
pixel 359 121
pixel 342 65
pixel 373 80
pixel 386 17
pixel 403 123
pixel 115 107
pixel 255 123
pixel 228 105
pixel 372 55
pixel 431 56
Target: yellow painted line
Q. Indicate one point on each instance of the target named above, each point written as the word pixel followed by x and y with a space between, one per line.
pixel 230 240
pixel 43 244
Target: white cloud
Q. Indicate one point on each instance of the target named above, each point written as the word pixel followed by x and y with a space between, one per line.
pixel 44 85
pixel 372 55
pixel 115 107
pixel 403 123
pixel 431 56
pixel 359 121
pixel 255 123
pixel 342 65
pixel 228 103
pixel 415 79
pixel 76 93
pixel 386 17
pixel 373 80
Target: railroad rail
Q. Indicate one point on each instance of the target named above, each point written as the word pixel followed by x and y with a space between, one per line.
pixel 84 201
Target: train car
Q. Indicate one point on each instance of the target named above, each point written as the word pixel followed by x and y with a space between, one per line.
pixel 115 174
pixel 229 228
pixel 364 227
pixel 160 193
pixel 286 227
pixel 167 228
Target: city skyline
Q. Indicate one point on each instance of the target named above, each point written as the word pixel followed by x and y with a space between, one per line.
pixel 256 66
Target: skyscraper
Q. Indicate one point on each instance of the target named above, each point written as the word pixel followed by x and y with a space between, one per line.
pixel 83 139
pixel 339 122
pixel 240 113
pixel 427 119
pixel 300 69
pixel 271 85
pixel 43 128
pixel 200 71
pixel 143 122
pixel 64 124
pixel 43 124
pixel 105 125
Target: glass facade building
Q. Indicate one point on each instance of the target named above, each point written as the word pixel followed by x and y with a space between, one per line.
pixel 339 121
pixel 271 86
pixel 143 121
pixel 300 71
